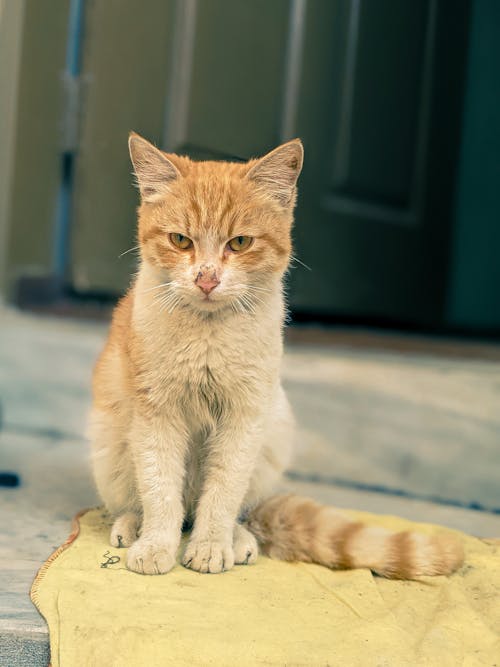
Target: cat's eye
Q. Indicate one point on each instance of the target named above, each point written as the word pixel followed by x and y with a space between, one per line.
pixel 240 243
pixel 181 241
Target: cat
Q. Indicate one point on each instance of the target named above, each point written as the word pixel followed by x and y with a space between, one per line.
pixel 190 421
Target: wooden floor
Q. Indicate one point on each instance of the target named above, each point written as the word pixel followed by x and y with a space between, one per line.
pixel 425 424
pixel 394 425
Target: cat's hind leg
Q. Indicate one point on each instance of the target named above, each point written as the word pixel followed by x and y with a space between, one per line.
pixel 115 476
pixel 245 546
pixel 125 530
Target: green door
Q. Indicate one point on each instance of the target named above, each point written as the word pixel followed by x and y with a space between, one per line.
pixel 378 106
pixel 374 90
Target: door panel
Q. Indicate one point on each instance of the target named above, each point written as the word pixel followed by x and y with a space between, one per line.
pixel 381 101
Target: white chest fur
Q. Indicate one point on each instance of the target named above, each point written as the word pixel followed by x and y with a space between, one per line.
pixel 200 363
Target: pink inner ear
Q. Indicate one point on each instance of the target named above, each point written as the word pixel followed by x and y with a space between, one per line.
pixel 152 168
pixel 277 172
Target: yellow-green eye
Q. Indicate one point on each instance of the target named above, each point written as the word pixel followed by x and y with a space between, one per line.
pixel 181 241
pixel 240 243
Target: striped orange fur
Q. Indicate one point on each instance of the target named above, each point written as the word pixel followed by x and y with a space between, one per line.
pixel 293 528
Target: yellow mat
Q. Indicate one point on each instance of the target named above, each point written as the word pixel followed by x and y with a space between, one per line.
pixel 271 613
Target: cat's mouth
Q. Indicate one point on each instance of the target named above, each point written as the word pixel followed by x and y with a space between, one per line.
pixel 209 301
pixel 212 303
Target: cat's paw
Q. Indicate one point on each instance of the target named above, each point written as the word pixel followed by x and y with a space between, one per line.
pixel 208 556
pixel 149 557
pixel 124 530
pixel 245 546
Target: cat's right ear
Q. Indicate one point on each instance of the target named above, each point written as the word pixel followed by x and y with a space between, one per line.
pixel 153 170
pixel 277 172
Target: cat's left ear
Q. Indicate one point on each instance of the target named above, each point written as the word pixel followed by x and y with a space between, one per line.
pixel 153 170
pixel 278 171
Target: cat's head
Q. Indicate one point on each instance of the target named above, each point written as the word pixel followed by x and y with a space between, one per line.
pixel 215 232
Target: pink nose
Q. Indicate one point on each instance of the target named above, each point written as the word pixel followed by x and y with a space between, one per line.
pixel 207 282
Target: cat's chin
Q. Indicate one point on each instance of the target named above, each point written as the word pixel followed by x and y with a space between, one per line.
pixel 209 304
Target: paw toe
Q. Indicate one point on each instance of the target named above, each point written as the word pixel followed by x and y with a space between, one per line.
pixel 208 557
pixel 147 558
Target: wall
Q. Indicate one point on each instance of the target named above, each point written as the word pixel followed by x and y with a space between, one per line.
pixel 32 57
pixel 11 21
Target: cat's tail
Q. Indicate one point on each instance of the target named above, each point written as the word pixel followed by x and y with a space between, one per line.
pixel 293 528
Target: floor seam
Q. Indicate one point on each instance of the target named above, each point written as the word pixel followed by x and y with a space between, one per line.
pixel 314 478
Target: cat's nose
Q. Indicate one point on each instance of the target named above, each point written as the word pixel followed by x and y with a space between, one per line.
pixel 207 285
pixel 207 281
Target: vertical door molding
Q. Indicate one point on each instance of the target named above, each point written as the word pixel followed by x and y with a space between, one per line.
pixel 293 68
pixel 177 106
pixel 424 116
pixel 343 149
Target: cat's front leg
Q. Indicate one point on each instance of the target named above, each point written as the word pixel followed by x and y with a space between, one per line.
pixel 232 453
pixel 159 446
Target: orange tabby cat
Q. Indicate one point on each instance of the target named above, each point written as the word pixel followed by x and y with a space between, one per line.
pixel 190 420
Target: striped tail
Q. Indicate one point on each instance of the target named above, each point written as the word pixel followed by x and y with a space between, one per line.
pixel 293 528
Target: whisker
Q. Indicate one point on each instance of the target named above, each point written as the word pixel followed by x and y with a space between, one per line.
pixel 176 301
pixel 253 299
pixel 259 289
pixel 248 303
pixel 244 302
pixel 166 297
pixel 296 259
pixel 163 300
pixel 242 286
pixel 167 304
pixel 150 289
pixel 160 296
pixel 136 247
pixel 240 305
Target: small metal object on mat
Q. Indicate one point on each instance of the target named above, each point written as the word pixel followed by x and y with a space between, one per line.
pixel 110 560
